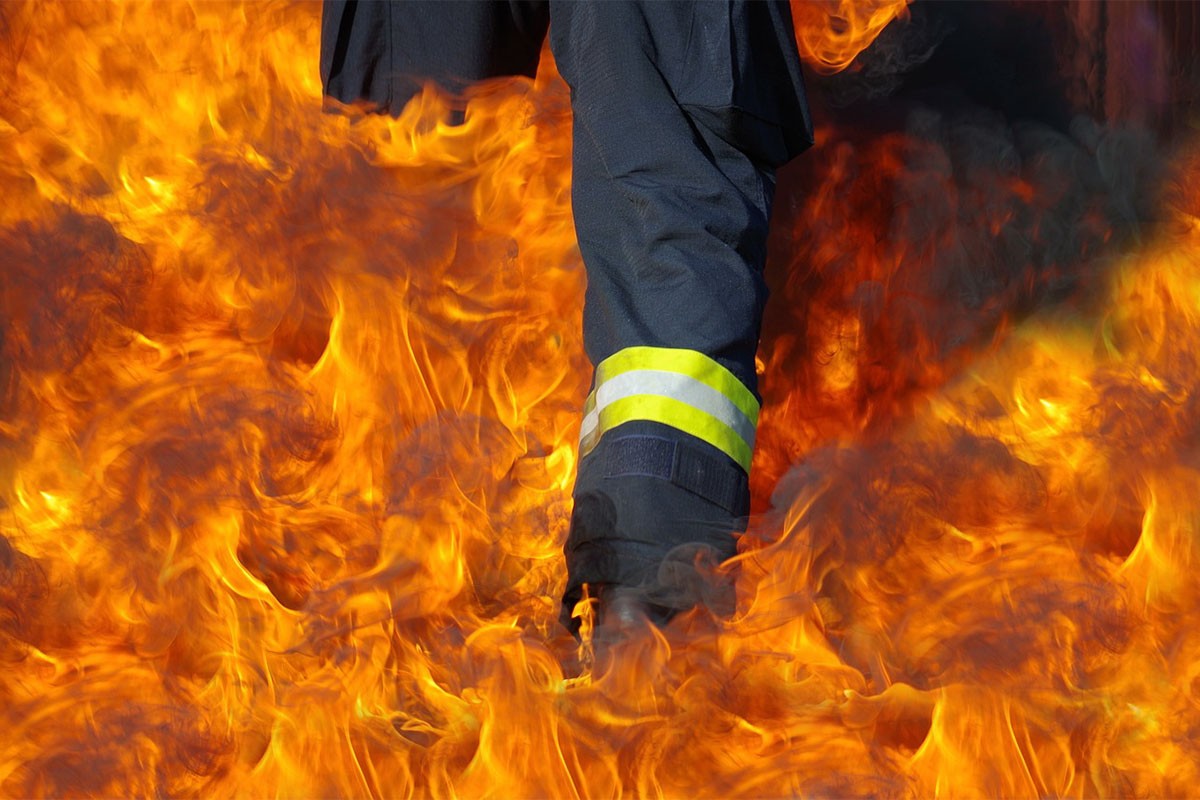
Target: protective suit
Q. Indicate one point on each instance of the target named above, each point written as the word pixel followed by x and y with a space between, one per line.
pixel 682 113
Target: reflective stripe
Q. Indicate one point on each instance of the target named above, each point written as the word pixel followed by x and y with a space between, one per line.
pixel 682 388
pixel 686 362
pixel 698 395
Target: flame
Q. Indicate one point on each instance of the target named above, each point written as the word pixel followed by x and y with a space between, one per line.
pixel 288 425
pixel 831 33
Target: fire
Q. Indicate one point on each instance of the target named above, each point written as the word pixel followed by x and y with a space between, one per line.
pixel 831 33
pixel 289 421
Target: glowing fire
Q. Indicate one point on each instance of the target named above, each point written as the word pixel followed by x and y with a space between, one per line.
pixel 830 33
pixel 288 427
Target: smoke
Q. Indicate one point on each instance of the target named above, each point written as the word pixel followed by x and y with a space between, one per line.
pixel 928 221
pixel 882 68
pixel 950 218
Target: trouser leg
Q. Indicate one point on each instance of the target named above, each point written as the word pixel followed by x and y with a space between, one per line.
pixel 384 52
pixel 682 112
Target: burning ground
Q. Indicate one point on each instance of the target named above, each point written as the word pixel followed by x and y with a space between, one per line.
pixel 289 415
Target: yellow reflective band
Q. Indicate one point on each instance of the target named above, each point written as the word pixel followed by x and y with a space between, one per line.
pixel 684 388
pixel 686 362
pixel 681 388
pixel 677 414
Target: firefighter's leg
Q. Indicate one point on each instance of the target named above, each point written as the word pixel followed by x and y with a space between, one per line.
pixel 384 52
pixel 682 113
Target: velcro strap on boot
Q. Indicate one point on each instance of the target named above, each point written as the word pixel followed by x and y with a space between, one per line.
pixel 714 477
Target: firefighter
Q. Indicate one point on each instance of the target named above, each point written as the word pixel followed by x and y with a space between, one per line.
pixel 682 113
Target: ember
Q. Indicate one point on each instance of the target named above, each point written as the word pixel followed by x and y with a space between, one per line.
pixel 289 419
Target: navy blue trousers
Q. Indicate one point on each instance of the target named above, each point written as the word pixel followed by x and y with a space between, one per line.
pixel 682 113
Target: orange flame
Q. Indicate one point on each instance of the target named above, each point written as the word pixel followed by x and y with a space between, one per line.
pixel 831 33
pixel 288 425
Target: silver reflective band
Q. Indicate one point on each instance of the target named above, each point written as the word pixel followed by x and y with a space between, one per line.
pixel 668 384
pixel 680 388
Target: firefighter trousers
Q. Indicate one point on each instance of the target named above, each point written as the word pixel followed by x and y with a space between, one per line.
pixel 682 113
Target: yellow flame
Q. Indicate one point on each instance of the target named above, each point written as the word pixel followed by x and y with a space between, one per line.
pixel 289 411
